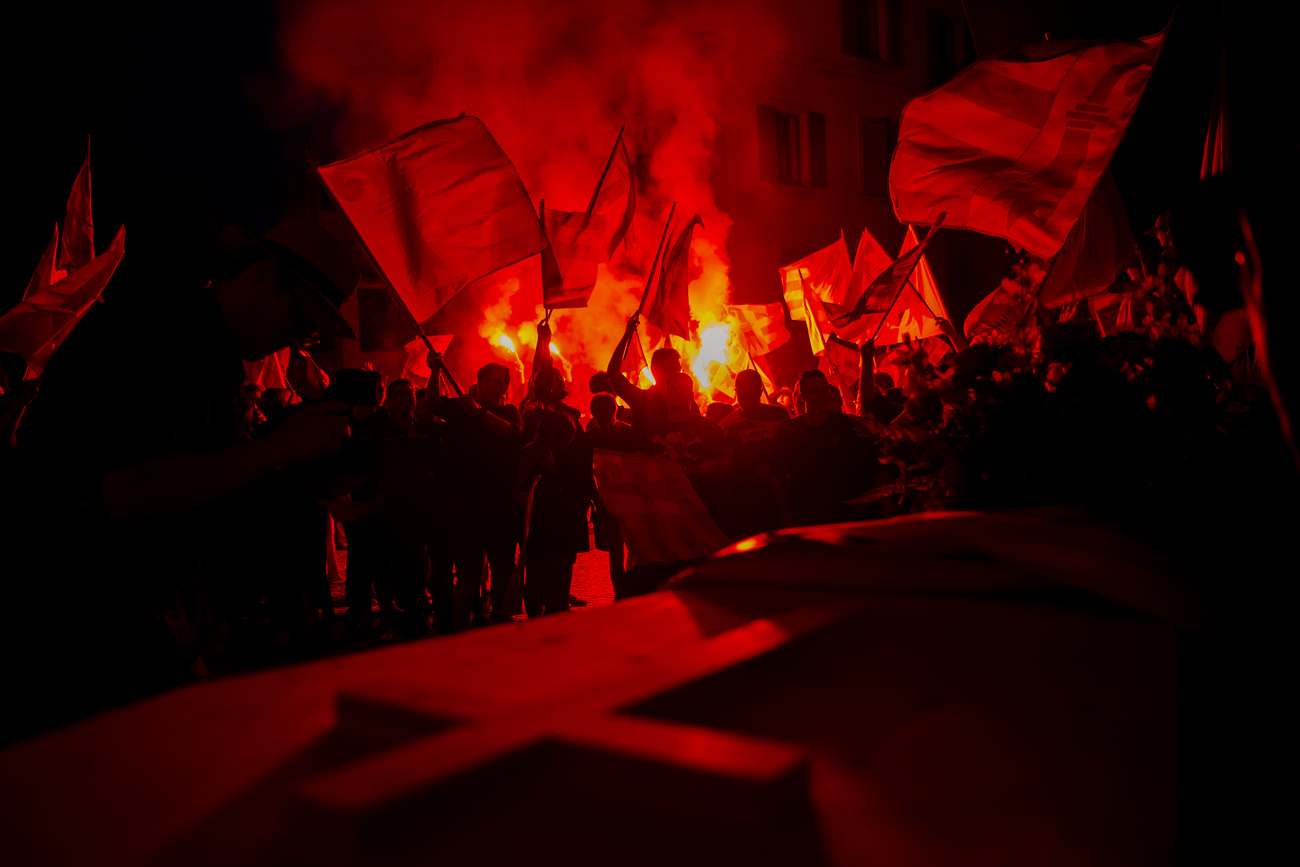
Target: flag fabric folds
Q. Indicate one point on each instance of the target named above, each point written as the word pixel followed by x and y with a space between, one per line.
pixel 869 261
pixel 77 243
pixel 270 372
pixel 760 327
pixel 826 273
pixel 36 326
pixel 1098 247
pixel 670 311
pixel 417 367
pixel 881 299
pixel 438 208
pixel 1005 313
pixel 46 273
pixel 661 516
pixel 616 201
pixel 1013 147
pixel 569 265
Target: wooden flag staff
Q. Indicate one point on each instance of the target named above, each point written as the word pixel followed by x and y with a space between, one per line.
pixel 392 290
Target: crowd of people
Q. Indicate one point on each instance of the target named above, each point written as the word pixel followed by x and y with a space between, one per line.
pixel 196 527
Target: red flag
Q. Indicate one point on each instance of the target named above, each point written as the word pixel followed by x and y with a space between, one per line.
pixel 660 514
pixel 760 327
pixel 417 365
pixel 634 361
pixel 1007 313
pixel 36 326
pixel 670 311
pixel 77 244
pixel 306 376
pixel 881 299
pixel 842 364
pixel 817 320
pixel 1098 247
pixel 569 264
pixel 1216 158
pixel 1013 147
pixel 869 262
pixel 270 372
pixel 46 274
pixel 615 199
pixel 826 272
pixel 896 359
pixel 438 208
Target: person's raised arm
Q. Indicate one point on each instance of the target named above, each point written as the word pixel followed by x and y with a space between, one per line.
pixel 541 386
pixel 622 387
pixel 867 382
pixel 179 481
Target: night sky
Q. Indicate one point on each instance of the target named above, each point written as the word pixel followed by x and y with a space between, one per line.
pixel 195 126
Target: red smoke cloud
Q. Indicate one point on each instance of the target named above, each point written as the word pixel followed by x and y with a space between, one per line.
pixel 553 82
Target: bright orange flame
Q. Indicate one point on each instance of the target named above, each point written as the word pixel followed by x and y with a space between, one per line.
pixel 503 340
pixel 712 347
pixel 556 352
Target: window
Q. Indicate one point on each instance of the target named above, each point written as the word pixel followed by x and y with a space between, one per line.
pixel 792 146
pixel 873 29
pixel 875 147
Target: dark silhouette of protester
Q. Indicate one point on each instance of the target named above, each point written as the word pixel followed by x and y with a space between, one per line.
pixel 482 438
pixel 120 475
pixel 557 525
pixel 822 457
pixel 606 432
pixel 749 430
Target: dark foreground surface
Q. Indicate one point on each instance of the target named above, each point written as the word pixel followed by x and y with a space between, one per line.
pixel 952 689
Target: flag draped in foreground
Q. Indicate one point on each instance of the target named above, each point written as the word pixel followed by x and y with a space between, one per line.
pixel 438 208
pixel 616 201
pixel 36 326
pixel 826 273
pixel 659 513
pixel 569 265
pixel 670 311
pixel 1013 147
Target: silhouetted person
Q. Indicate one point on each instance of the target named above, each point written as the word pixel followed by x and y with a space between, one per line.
pixel 605 431
pixel 822 457
pixel 130 481
pixel 481 440
pixel 749 432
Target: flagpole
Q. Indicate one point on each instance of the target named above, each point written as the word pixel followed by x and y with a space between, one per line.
pixel 609 162
pixel 655 262
pixel 908 280
pixel 392 290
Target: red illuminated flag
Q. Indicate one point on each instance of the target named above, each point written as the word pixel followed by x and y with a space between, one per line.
pixel 760 327
pixel 616 201
pixel 869 262
pixel 1098 247
pixel 1013 147
pixel 46 274
pixel 1006 312
pixel 842 364
pixel 670 311
pixel 826 273
pixel 417 365
pixel 77 243
pixel 270 372
pixel 661 516
pixel 38 324
pixel 438 208
pixel 877 312
pixel 569 265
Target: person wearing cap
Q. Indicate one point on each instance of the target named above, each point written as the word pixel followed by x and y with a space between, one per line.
pixel 124 499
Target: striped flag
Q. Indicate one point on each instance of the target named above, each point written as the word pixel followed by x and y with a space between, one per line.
pixel 417 365
pixel 661 516
pixel 438 208
pixel 826 273
pixel 760 327
pixel 1098 247
pixel 569 265
pixel 1013 147
pixel 616 201
pixel 670 311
